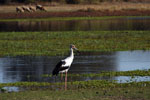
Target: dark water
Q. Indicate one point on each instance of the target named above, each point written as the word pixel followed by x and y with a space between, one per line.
pixel 27 68
pixel 128 23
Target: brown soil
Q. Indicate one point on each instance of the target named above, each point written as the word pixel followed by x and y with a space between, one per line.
pixel 75 14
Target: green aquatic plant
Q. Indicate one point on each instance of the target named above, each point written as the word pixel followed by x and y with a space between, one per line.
pixel 65 18
pixel 78 84
pixel 110 74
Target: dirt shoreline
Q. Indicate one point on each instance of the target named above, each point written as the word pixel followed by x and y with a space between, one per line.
pixel 74 14
pixel 103 9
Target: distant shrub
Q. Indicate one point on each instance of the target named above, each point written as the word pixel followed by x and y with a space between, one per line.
pixel 90 9
pixel 74 1
pixel 71 1
pixel 5 1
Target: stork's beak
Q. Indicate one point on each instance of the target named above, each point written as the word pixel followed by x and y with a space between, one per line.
pixel 76 49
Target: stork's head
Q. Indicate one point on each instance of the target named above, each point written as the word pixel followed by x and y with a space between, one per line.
pixel 73 47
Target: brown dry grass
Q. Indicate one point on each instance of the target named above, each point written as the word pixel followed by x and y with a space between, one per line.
pixel 103 9
pixel 116 6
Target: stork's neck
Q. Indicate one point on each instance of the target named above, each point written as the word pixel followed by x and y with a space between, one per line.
pixel 71 52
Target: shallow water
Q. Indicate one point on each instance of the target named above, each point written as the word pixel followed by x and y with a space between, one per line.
pixel 13 89
pixel 128 23
pixel 27 68
pixel 127 79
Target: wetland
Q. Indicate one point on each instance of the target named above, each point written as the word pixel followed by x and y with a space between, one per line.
pixel 114 56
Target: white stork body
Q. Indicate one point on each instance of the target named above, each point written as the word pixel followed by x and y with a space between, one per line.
pixel 64 65
pixel 68 61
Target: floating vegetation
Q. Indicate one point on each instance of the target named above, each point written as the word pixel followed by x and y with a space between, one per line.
pixel 66 18
pixel 55 43
pixel 77 84
pixel 110 73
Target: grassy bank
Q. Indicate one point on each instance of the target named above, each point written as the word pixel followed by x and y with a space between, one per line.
pixel 86 90
pixel 131 93
pixel 66 18
pixel 57 43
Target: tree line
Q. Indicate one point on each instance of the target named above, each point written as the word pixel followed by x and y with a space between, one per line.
pixel 69 1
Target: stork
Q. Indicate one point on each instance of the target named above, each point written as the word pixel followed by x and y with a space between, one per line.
pixel 64 65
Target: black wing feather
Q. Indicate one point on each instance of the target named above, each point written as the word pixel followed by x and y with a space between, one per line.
pixel 58 67
pixel 63 68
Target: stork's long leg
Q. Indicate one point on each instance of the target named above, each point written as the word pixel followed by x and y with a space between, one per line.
pixel 66 81
pixel 55 78
pixel 61 77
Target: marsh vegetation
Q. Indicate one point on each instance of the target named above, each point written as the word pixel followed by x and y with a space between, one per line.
pixel 55 43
